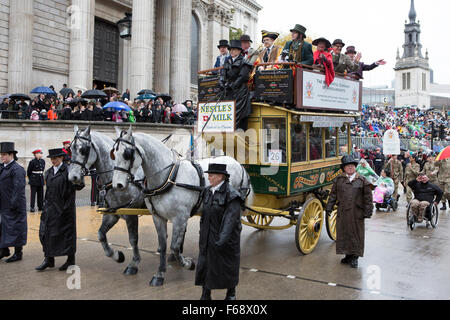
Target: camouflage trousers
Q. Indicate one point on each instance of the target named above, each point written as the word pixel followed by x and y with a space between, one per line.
pixel 396 183
pixel 409 194
pixel 418 208
pixel 445 187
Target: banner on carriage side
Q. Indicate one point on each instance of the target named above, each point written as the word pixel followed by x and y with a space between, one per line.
pixel 218 117
pixel 342 95
pixel 275 86
pixel 208 88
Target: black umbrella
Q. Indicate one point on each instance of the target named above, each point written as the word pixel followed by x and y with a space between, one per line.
pixel 146 91
pixel 94 94
pixel 164 96
pixel 19 96
pixel 66 91
pixel 75 101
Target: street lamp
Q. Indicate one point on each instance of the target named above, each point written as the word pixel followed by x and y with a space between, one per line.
pixel 124 26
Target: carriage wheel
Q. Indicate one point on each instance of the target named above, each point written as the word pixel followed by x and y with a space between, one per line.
pixel 330 223
pixel 434 216
pixel 309 226
pixel 261 220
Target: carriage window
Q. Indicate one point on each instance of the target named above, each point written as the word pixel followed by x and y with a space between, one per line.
pixel 315 143
pixel 298 140
pixel 330 142
pixel 343 141
pixel 274 153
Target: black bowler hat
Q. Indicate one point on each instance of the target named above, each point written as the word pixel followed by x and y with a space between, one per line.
pixel 338 41
pixel 223 43
pixel 327 43
pixel 246 37
pixel 218 168
pixel 346 160
pixel 236 44
pixel 55 153
pixel 7 147
pixel 351 49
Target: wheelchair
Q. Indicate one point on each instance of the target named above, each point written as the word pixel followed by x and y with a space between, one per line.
pixel 389 202
pixel 431 217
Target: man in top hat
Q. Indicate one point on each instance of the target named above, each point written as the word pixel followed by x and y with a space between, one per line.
pixel 343 63
pixel 220 235
pixel 353 195
pixel 57 231
pixel 250 54
pixel 271 51
pixel 233 80
pixel 13 207
pixel 35 174
pixel 298 49
pixel 322 57
pixel 67 151
pixel 358 75
pixel 224 54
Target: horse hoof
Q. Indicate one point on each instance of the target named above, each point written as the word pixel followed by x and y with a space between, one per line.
pixel 192 267
pixel 156 282
pixel 121 258
pixel 130 271
pixel 171 258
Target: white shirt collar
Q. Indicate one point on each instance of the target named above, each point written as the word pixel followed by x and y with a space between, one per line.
pixel 56 169
pixel 352 177
pixel 7 164
pixel 214 189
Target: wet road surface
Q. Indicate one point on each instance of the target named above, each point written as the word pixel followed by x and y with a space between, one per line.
pixel 398 264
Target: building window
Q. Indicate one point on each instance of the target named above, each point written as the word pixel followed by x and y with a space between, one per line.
pixel 315 143
pixel 299 142
pixel 406 79
pixel 424 82
pixel 195 49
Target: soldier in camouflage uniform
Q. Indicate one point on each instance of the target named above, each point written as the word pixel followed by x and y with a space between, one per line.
pixel 431 170
pixel 444 180
pixel 412 171
pixel 395 169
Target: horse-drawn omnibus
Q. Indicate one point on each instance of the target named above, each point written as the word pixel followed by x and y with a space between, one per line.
pixel 298 131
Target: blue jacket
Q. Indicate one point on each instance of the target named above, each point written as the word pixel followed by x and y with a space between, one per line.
pixel 217 65
pixel 13 207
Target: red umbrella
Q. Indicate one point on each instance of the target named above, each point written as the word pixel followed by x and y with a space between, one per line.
pixel 445 154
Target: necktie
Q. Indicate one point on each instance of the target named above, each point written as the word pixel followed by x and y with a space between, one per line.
pixel 266 56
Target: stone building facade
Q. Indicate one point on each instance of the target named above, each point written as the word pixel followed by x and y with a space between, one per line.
pixel 77 42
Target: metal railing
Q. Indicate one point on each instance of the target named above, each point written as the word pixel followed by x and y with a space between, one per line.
pixel 408 144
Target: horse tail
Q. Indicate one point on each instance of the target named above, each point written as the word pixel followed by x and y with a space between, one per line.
pixel 246 188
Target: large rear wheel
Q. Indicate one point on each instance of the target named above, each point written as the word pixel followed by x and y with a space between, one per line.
pixel 331 224
pixel 309 226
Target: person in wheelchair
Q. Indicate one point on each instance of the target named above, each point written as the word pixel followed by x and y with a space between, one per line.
pixel 425 194
pixel 382 195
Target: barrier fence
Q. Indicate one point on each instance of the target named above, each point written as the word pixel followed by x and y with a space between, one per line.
pixel 406 144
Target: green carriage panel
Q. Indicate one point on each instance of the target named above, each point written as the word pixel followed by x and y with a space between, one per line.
pixel 313 179
pixel 276 184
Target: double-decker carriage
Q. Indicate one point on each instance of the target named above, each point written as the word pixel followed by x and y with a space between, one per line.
pixel 298 131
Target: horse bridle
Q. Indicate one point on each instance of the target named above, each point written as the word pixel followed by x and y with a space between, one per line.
pixel 128 155
pixel 84 151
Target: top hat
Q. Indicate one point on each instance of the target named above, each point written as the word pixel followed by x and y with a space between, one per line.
pixel 316 42
pixel 268 34
pixel 223 43
pixel 55 153
pixel 235 44
pixel 299 28
pixel 246 37
pixel 7 147
pixel 350 49
pixel 218 168
pixel 346 160
pixel 338 41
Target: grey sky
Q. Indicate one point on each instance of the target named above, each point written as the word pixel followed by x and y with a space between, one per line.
pixel 376 28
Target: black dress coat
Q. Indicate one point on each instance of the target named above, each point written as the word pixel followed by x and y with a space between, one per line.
pixel 220 237
pixel 13 207
pixel 234 79
pixel 57 230
pixel 35 179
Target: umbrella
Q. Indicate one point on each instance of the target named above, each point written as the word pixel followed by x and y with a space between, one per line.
pixel 179 108
pixel 6 96
pixel 110 90
pixel 146 97
pixel 94 94
pixel 164 96
pixel 18 96
pixel 75 101
pixel 147 91
pixel 445 154
pixel 117 106
pixel 42 90
pixel 66 91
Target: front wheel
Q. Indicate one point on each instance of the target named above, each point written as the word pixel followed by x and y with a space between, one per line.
pixel 330 223
pixel 309 225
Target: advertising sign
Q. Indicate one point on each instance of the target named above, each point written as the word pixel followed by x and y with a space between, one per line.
pixel 217 117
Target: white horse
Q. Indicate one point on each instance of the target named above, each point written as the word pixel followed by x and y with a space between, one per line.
pixel 172 184
pixel 92 150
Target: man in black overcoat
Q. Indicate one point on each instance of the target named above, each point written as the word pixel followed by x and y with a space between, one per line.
pixel 57 230
pixel 220 235
pixel 35 173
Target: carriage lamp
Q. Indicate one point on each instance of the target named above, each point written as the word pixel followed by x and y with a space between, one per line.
pixel 124 26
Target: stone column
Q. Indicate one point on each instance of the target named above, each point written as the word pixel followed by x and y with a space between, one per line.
pixel 162 54
pixel 82 29
pixel 180 55
pixel 20 58
pixel 142 34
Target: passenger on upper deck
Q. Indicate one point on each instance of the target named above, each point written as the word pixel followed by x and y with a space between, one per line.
pixel 298 50
pixel 271 52
pixel 358 75
pixel 250 54
pixel 224 54
pixel 324 59
pixel 343 63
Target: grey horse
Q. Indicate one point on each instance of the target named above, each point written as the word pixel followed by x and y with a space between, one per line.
pixel 91 150
pixel 176 203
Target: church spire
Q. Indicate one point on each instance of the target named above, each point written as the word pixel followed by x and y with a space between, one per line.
pixel 412 13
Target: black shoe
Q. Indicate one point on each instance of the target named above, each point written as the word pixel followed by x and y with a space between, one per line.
pixel 66 265
pixel 32 210
pixel 4 253
pixel 93 204
pixel 346 260
pixel 47 263
pixel 354 262
pixel 230 298
pixel 444 207
pixel 206 294
pixel 15 257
